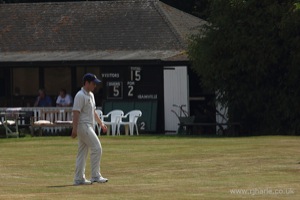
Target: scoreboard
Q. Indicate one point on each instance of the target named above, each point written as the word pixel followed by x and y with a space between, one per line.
pixel 132 83
pixel 133 87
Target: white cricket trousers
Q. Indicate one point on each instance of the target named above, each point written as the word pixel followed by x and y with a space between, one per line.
pixel 87 139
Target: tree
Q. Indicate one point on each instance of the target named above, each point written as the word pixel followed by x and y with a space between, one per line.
pixel 250 54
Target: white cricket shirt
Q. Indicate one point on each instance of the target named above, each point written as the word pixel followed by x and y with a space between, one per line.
pixel 84 102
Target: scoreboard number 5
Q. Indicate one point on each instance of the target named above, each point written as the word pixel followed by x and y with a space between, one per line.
pixel 114 90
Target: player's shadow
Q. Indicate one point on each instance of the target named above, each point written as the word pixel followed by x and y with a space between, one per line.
pixel 59 186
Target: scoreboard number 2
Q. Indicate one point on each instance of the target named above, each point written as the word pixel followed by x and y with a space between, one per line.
pixel 130 90
pixel 143 126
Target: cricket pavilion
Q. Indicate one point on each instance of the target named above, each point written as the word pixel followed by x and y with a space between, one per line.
pixel 136 47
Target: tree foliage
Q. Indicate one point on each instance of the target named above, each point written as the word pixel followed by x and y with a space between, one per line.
pixel 250 54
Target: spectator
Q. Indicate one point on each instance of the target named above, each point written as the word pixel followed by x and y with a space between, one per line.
pixel 64 99
pixel 43 100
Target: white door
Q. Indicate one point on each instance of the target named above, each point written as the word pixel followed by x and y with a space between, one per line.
pixel 175 93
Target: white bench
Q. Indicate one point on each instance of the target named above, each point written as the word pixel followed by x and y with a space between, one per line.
pixel 51 120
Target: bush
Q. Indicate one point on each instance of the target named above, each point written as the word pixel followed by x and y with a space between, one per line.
pixel 250 55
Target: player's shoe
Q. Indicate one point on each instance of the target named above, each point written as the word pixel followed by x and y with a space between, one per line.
pixel 82 182
pixel 99 180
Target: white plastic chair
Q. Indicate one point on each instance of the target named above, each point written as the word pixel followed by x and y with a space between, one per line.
pixel 115 117
pixel 132 122
pixel 100 114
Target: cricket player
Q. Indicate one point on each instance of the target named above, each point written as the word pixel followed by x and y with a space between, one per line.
pixel 84 117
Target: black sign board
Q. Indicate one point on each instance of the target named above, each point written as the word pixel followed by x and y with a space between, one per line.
pixel 133 82
pixel 136 85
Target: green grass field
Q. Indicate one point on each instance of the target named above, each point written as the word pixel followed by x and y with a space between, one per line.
pixel 154 167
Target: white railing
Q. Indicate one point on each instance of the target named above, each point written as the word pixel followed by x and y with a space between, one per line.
pixel 52 114
pixel 39 113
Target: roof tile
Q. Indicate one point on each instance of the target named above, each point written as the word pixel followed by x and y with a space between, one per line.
pixel 130 25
